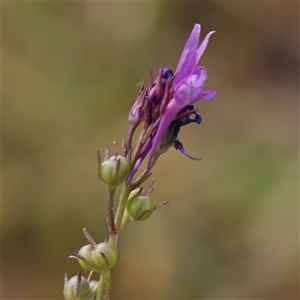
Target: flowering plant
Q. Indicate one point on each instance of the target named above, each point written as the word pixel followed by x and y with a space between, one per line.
pixel 162 107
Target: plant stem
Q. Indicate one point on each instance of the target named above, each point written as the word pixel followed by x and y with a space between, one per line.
pixel 122 204
pixel 110 213
pixel 107 280
pixel 101 289
pixel 104 287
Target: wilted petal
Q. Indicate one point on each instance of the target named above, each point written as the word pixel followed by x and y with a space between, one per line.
pixel 179 147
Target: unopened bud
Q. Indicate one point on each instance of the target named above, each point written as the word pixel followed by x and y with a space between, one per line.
pixel 104 256
pixel 136 113
pixel 86 261
pixel 139 207
pixel 114 170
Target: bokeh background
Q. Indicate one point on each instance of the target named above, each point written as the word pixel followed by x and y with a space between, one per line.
pixel 70 73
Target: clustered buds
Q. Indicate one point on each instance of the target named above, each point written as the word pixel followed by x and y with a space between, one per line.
pixel 95 257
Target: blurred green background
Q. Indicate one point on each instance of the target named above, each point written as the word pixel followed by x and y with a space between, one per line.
pixel 70 73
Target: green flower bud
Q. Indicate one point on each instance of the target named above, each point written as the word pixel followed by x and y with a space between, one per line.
pixel 114 170
pixel 135 193
pixel 104 256
pixel 139 207
pixel 86 260
pixel 78 288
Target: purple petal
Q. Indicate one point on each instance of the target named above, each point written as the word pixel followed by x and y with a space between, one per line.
pixel 142 156
pixel 189 48
pixel 168 117
pixel 198 79
pixel 188 70
pixel 203 45
pixel 183 96
pixel 209 94
pixel 190 89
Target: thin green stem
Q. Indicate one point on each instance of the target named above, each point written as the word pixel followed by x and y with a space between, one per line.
pixel 101 289
pixel 107 280
pixel 104 287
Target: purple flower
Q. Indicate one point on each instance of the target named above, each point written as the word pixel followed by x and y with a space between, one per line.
pixel 167 104
pixel 187 87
